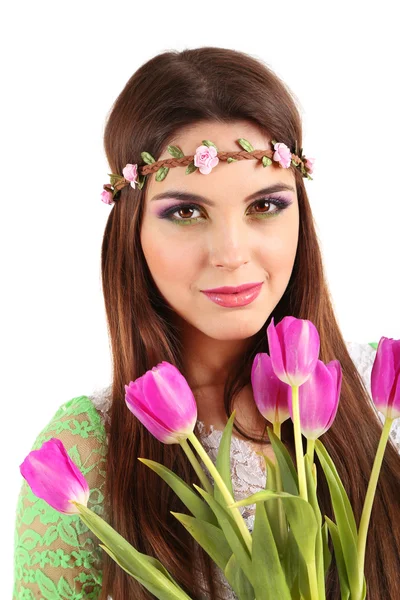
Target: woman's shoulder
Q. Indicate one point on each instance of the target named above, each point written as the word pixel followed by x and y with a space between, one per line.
pixel 55 551
pixel 81 417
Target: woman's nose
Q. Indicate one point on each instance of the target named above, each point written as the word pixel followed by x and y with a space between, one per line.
pixel 230 247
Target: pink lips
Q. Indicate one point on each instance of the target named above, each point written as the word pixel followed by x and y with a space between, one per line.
pixel 246 294
pixel 228 289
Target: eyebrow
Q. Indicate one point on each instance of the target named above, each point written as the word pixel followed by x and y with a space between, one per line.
pixel 185 196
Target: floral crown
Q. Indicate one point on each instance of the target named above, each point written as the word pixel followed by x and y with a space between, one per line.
pixel 205 159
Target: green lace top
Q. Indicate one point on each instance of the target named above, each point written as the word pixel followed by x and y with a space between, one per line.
pixel 56 557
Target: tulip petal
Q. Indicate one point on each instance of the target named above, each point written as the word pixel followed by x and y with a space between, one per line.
pixel 150 421
pixel 163 401
pixel 385 377
pixel 294 346
pixel 319 399
pixel 270 393
pixel 54 477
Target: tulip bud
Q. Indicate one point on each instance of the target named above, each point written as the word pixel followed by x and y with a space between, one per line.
pixel 294 348
pixel 54 477
pixel 164 403
pixel 270 393
pixel 385 378
pixel 319 399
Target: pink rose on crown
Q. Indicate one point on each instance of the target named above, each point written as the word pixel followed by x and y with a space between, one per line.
pixel 282 154
pixel 309 164
pixel 107 197
pixel 130 173
pixel 206 159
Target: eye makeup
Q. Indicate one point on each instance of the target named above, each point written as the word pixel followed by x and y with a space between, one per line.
pixel 279 202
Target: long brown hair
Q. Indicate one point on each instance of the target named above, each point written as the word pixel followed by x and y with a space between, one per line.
pixel 168 93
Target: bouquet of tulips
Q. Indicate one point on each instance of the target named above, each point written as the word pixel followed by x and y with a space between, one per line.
pixel 287 555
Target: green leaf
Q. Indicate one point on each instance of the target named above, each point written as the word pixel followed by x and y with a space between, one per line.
pixel 175 151
pixel 238 580
pixel 141 181
pixel 245 144
pixel 266 161
pixel 327 552
pixel 300 515
pixel 340 564
pixel 223 461
pixel 273 507
pixel 162 173
pixel 234 539
pixel 344 516
pixel 269 579
pixel 190 168
pixel 374 345
pixel 198 507
pixel 147 158
pixel 160 593
pixel 210 537
pixel 156 588
pixel 128 558
pixel 231 159
pixel 115 178
pixel 290 480
pixel 290 562
pixel 209 143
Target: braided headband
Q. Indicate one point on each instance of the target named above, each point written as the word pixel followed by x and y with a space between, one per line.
pixel 205 159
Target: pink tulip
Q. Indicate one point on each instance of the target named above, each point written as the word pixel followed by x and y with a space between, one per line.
pixel 271 395
pixel 319 399
pixel 54 477
pixel 294 348
pixel 162 400
pixel 385 378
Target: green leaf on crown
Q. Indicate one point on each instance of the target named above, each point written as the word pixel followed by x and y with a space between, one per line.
pixel 148 158
pixel 245 145
pixel 141 181
pixel 209 143
pixel 190 168
pixel 115 178
pixel 162 173
pixel 266 161
pixel 230 159
pixel 175 151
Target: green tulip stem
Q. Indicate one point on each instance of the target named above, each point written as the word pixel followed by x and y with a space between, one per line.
pixel 197 467
pixel 277 429
pixel 298 443
pixel 370 495
pixel 224 491
pixel 310 450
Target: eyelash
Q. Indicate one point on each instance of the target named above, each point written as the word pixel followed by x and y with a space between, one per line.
pixel 280 203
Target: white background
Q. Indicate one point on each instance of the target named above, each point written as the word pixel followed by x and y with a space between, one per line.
pixel 63 64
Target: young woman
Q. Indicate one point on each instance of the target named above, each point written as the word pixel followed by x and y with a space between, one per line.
pixel 239 223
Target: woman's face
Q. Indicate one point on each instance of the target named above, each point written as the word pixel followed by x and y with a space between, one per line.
pixel 227 239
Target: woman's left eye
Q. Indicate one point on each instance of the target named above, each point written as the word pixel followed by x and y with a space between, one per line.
pixel 279 203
